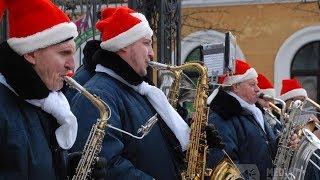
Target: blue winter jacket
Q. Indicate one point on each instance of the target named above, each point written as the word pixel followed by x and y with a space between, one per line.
pixel 246 142
pixel 128 158
pixel 27 142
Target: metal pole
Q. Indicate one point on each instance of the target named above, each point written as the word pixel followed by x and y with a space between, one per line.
pixel 161 33
pixel 132 4
pixel 178 33
pixel 94 17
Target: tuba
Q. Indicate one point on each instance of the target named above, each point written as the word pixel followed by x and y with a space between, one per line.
pixel 94 142
pixel 308 145
pixel 285 152
pixel 196 156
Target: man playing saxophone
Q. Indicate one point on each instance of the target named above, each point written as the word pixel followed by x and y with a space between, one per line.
pixel 249 141
pixel 122 63
pixel 36 124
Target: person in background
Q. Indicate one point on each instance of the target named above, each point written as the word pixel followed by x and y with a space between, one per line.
pixel 87 69
pixel 266 88
pixel 291 91
pixel 242 126
pixel 122 62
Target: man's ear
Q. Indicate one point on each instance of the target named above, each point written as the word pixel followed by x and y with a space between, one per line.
pixel 30 57
pixel 235 87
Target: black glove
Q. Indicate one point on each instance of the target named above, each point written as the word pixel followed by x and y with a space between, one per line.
pixel 99 170
pixel 213 138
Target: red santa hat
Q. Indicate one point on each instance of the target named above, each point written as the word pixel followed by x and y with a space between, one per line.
pixel 109 11
pixel 243 72
pixel 123 28
pixel 265 86
pixel 36 24
pixel 291 88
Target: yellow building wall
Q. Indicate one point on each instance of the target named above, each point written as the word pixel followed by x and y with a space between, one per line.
pixel 260 29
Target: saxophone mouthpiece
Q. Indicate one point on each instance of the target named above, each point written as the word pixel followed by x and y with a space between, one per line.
pixel 71 82
pixel 157 65
pixel 70 73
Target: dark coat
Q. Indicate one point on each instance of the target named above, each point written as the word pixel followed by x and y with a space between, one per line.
pixel 128 158
pixel 246 142
pixel 28 148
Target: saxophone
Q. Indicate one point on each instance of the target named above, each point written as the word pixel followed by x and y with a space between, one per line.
pixel 196 156
pixel 174 89
pixel 94 142
pixel 285 153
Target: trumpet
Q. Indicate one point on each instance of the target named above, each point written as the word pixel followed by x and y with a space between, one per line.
pixel 312 125
pixel 275 108
pixel 281 111
pixel 313 103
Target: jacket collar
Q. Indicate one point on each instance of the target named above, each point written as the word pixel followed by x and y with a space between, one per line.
pixel 226 106
pixel 114 62
pixel 20 75
pixel 88 51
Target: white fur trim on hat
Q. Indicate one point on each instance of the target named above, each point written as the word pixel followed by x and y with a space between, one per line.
pixel 270 92
pixel 43 39
pixel 249 74
pixel 294 93
pixel 128 37
pixel 140 16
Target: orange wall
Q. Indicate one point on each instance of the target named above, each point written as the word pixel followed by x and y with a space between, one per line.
pixel 260 29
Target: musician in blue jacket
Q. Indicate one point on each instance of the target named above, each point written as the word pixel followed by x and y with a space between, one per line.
pixel 122 63
pixel 37 126
pixel 249 141
pixel 292 90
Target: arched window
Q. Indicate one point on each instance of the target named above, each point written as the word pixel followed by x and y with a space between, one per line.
pixel 194 55
pixel 305 68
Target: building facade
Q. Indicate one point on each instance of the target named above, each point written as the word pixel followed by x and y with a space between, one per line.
pixel 281 39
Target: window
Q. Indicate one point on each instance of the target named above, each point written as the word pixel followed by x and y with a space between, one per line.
pixel 305 68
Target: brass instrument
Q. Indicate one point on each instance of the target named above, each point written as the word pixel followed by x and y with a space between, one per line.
pixel 281 111
pixel 94 142
pixel 174 89
pixel 196 156
pixel 312 125
pixel 285 152
pixel 270 117
pixel 308 145
pixel 275 108
pixel 307 148
pixel 313 103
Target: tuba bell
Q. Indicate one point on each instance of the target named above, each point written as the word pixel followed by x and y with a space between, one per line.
pixel 308 145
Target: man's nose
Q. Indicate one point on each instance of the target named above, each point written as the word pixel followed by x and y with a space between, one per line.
pixel 70 64
pixel 151 53
pixel 257 89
